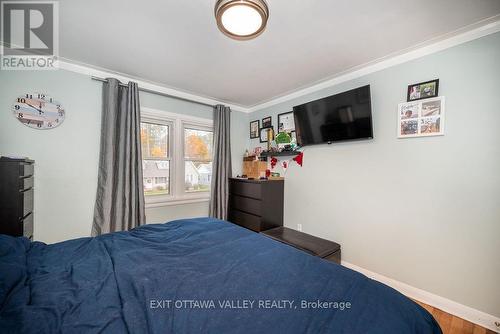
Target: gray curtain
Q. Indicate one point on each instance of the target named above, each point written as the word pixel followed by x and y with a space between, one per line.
pixel 221 169
pixel 119 204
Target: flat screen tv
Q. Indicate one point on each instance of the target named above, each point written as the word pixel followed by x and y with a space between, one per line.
pixel 340 117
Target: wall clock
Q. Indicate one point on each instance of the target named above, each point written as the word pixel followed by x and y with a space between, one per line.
pixel 38 111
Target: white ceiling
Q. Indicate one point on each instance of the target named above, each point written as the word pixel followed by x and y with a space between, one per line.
pixel 177 43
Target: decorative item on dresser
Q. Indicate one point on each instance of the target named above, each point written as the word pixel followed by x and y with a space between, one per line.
pixel 254 168
pixel 256 204
pixel 16 196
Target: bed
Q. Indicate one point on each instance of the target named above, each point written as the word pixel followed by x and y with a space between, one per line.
pixel 191 276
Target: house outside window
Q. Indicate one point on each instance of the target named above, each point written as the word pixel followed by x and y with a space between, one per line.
pixel 177 157
pixel 198 150
pixel 155 139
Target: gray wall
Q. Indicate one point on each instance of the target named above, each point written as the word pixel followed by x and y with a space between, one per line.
pixel 424 211
pixel 67 156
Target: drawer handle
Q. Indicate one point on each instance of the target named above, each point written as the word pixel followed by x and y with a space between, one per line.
pixel 25 190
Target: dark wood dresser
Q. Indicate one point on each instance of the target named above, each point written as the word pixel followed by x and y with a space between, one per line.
pixel 256 204
pixel 16 197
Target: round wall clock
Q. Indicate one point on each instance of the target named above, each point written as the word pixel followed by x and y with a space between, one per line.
pixel 38 111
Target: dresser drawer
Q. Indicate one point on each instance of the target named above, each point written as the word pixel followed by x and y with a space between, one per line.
pixel 246 189
pixel 26 169
pixel 28 226
pixel 246 204
pixel 247 220
pixel 26 182
pixel 16 196
pixel 26 198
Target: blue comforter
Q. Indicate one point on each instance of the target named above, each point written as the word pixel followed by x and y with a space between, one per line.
pixel 191 276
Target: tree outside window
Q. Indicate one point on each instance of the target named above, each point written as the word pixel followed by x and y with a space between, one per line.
pixel 198 150
pixel 156 158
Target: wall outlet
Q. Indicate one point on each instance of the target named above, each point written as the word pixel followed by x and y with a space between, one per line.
pixel 299 227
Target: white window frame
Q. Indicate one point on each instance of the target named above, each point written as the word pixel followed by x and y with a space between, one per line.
pixel 177 123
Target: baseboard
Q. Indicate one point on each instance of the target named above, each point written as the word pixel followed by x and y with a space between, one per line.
pixel 465 312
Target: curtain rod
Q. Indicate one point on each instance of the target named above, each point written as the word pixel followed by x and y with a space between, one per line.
pixel 157 93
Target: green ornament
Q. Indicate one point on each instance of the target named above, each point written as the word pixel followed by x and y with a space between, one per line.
pixel 283 138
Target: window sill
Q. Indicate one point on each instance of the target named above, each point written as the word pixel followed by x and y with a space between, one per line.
pixel 169 201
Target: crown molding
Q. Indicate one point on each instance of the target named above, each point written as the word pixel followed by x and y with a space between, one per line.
pixel 81 68
pixel 86 69
pixel 449 40
pixel 443 42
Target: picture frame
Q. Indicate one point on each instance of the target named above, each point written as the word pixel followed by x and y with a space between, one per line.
pixel 423 90
pixel 263 134
pixel 422 118
pixel 286 122
pixel 267 122
pixel 254 129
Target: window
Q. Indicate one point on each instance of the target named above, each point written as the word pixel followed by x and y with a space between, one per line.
pixel 198 159
pixel 161 179
pixel 177 157
pixel 156 160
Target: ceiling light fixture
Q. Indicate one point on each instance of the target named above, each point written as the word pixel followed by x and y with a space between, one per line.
pixel 241 19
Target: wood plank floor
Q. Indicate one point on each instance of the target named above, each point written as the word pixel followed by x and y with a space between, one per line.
pixel 451 324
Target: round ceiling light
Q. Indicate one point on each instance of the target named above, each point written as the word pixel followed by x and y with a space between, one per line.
pixel 241 19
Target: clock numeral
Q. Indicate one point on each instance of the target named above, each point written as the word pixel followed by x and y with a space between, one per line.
pixel 20 115
pixel 29 96
pixel 49 124
pixel 21 100
pixel 41 96
pixel 60 113
pixel 57 120
pixel 17 107
pixel 38 125
pixel 50 100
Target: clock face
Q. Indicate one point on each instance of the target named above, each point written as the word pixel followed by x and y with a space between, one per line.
pixel 38 111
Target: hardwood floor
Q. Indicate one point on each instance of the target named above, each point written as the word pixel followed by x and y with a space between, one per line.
pixel 451 324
